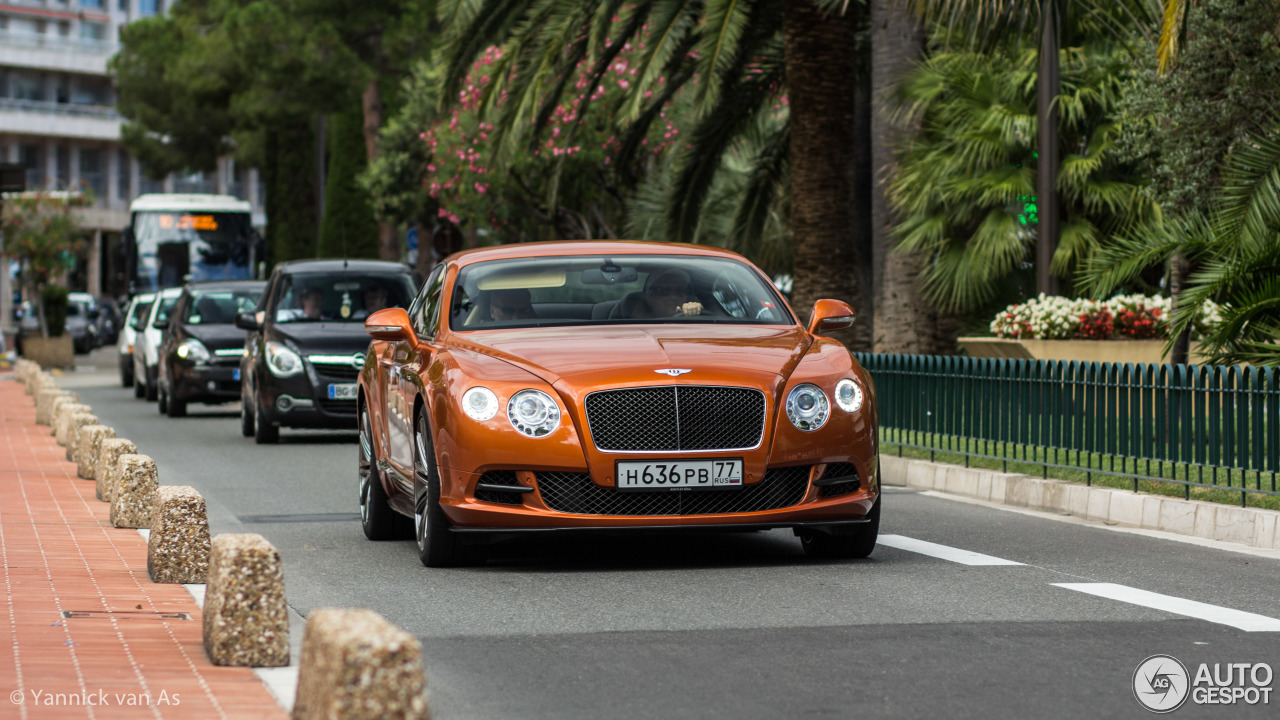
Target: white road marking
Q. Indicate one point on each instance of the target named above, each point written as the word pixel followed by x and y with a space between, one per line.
pixel 945 552
pixel 1238 619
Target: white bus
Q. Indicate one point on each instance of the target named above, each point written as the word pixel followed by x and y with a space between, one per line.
pixel 173 238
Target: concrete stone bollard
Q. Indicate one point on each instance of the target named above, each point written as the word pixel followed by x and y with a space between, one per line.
pixel 59 414
pixel 108 461
pixel 178 550
pixel 88 446
pixel 65 411
pixel 357 665
pixel 23 369
pixel 246 621
pixel 45 404
pixel 133 492
pixel 74 423
pixel 41 381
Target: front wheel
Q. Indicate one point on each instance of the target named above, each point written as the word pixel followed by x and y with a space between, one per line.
pixel 437 545
pixel 857 544
pixel 246 417
pixel 162 399
pixel 264 433
pixel 177 408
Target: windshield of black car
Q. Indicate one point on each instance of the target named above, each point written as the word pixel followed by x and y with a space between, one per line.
pixel 622 289
pixel 341 296
pixel 220 307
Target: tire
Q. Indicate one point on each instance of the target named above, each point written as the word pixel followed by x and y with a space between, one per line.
pixel 377 519
pixel 177 408
pixel 246 417
pixel 162 399
pixel 139 389
pixel 264 433
pixel 857 544
pixel 126 375
pixel 153 388
pixel 437 545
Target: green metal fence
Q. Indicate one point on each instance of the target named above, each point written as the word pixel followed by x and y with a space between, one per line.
pixel 1194 425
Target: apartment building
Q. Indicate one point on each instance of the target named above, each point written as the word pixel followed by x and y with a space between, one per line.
pixel 58 120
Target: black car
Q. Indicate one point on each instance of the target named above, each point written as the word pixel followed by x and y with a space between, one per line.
pixel 201 348
pixel 307 342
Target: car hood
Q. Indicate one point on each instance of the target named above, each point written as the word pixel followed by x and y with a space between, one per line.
pixel 612 355
pixel 217 337
pixel 322 337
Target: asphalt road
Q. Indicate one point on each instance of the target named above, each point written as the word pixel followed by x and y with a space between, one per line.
pixel 736 625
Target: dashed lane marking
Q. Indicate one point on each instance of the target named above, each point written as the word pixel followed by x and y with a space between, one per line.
pixel 1238 619
pixel 944 552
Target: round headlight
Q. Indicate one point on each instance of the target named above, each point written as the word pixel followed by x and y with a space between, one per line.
pixel 193 350
pixel 282 361
pixel 807 407
pixel 533 413
pixel 480 403
pixel 848 395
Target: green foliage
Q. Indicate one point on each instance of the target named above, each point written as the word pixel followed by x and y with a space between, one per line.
pixel 348 227
pixel 290 174
pixel 963 182
pixel 42 232
pixel 1181 125
pixel 394 181
pixel 54 298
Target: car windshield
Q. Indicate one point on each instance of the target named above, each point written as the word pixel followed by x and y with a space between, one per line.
pixel 220 307
pixel 340 297
pixel 585 290
pixel 166 304
pixel 75 309
pixel 140 311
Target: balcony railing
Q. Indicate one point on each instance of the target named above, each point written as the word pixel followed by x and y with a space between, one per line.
pixel 58 43
pixel 106 112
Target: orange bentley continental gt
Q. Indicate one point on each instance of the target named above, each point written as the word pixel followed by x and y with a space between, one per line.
pixel 608 385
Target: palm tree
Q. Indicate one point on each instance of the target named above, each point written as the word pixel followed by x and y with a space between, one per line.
pixel 743 55
pixel 965 186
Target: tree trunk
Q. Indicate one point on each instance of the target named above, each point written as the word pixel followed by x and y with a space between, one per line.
pixel 1047 165
pixel 904 322
pixel 371 105
pixel 821 84
pixel 1180 269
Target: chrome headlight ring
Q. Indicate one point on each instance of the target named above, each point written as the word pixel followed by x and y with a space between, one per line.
pixel 808 407
pixel 533 413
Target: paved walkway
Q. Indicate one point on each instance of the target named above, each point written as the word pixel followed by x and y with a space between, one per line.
pixel 122 652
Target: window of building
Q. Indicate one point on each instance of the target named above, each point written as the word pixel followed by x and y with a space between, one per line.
pixel 89 93
pixel 123 176
pixel 93 31
pixel 91 4
pixel 92 173
pixel 64 167
pixel 27 86
pixel 25 26
pixel 147 7
pixel 29 157
pixel 123 5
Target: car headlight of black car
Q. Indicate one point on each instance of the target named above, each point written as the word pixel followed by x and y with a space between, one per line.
pixel 192 350
pixel 282 361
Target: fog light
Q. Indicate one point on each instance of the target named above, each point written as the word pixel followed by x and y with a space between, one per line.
pixel 284 402
pixel 212 386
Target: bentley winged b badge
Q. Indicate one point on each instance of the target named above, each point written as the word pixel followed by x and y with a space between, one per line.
pixel 673 372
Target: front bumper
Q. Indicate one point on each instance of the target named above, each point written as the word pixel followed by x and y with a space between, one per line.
pixel 302 401
pixel 207 383
pixel 832 495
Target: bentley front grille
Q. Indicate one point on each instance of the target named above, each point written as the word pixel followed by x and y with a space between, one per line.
pixel 575 493
pixel 676 418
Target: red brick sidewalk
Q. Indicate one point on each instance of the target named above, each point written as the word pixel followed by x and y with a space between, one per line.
pixel 60 554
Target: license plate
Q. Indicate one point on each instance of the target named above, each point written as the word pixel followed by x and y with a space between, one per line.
pixel 346 391
pixel 235 375
pixel 679 474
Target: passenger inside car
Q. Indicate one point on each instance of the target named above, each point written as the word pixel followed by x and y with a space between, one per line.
pixel 666 293
pixel 312 303
pixel 511 304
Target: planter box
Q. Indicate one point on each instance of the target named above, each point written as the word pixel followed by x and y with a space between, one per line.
pixel 58 352
pixel 1112 351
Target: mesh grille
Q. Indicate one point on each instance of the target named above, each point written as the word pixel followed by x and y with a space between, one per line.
pixel 576 493
pixel 676 418
pixel 339 407
pixel 336 372
pixel 499 477
pixel 840 488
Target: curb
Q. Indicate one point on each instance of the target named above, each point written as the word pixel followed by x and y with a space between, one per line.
pixel 1212 521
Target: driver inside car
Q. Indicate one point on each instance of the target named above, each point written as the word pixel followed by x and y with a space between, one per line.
pixel 666 293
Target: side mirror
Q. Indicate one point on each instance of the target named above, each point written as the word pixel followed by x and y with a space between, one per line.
pixel 160 324
pixel 247 321
pixel 829 316
pixel 94 314
pixel 389 324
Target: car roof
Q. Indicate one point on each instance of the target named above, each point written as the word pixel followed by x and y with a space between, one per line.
pixel 170 292
pixel 588 247
pixel 227 285
pixel 339 265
